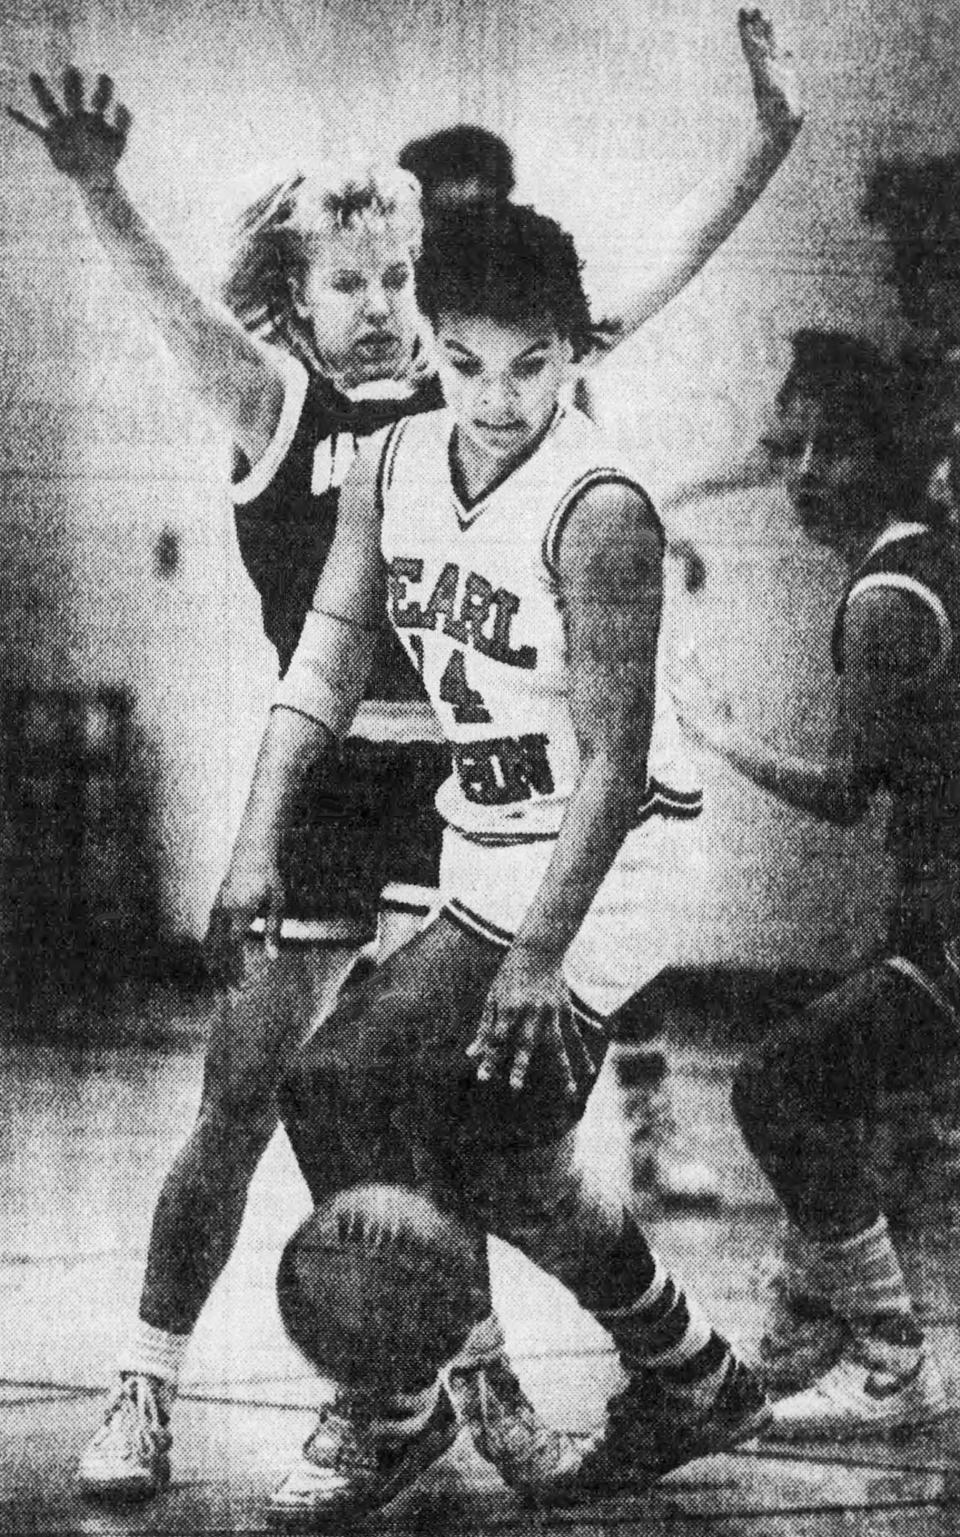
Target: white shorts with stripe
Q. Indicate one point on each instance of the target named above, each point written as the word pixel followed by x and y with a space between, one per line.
pixel 638 924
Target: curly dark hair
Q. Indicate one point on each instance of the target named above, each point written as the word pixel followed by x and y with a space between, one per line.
pixel 859 384
pixel 856 378
pixel 508 263
pixel 917 205
pixel 459 154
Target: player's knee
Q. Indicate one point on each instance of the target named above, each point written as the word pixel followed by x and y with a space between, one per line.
pixel 236 1126
pixel 312 1086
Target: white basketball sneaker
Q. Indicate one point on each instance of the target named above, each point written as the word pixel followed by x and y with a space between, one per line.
pixel 885 1383
pixel 129 1456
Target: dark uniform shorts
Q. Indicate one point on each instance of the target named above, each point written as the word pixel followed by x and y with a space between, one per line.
pixel 362 821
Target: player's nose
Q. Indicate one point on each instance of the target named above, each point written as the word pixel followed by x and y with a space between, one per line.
pixel 376 305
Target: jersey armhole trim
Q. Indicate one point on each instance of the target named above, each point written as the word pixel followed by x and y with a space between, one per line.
pixel 550 548
pixel 387 460
pixel 259 477
pixel 898 582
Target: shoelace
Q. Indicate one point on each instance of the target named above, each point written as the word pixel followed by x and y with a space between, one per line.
pixel 521 1426
pixel 333 1442
pixel 134 1401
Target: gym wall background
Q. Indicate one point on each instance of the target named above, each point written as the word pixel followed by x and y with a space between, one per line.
pixel 117 562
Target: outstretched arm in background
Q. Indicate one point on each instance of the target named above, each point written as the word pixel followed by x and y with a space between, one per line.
pixel 231 376
pixel 699 225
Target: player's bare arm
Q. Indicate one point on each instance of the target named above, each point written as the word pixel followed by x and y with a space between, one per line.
pixel 891 645
pixel 611 590
pixel 232 377
pixel 690 234
pixel 315 704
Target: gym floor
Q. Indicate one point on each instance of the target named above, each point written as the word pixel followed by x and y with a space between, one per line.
pixel 87 1135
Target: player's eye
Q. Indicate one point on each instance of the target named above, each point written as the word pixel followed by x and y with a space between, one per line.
pixel 396 278
pixel 469 368
pixel 346 282
pixel 529 368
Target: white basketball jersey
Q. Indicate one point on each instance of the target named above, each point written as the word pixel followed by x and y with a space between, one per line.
pixel 473 596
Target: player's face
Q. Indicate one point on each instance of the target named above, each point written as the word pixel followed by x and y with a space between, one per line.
pixel 830 469
pixel 502 383
pixel 358 299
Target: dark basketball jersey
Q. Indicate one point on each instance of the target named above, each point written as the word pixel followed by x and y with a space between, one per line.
pixel 366 817
pixel 921 561
pixel 286 507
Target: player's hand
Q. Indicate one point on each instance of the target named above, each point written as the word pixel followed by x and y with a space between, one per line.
pixel 773 75
pixel 83 142
pixel 528 1008
pixel 252 886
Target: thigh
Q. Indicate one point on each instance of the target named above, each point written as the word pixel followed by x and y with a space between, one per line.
pixel 395 1049
pixel 877 1030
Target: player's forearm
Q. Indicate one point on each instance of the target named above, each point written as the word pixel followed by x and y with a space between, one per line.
pixel 698 226
pixel 601 812
pixel 828 790
pixel 223 366
pixel 292 745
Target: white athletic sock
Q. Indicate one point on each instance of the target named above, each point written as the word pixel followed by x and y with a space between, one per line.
pixel 155 1353
pixel 864 1274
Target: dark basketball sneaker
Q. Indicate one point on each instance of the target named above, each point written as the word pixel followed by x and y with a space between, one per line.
pixel 803 1337
pixel 654 1427
pixel 350 1468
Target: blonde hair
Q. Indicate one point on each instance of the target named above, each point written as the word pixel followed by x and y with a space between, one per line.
pixel 275 234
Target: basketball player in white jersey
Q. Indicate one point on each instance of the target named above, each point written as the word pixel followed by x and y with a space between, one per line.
pixel 520 562
pixel 270 406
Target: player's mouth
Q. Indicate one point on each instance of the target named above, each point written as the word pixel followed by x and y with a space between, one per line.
pixel 500 430
pixel 377 343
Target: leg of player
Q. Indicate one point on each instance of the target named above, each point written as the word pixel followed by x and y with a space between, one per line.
pixel 197 1220
pixel 392 1056
pixel 843 1327
pixel 687 1395
pixel 507 1161
pixel 375 1289
pixel 482 1359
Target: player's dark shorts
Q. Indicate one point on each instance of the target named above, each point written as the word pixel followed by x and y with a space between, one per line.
pixel 363 821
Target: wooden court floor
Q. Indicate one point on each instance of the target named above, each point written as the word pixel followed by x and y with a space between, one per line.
pixel 86 1134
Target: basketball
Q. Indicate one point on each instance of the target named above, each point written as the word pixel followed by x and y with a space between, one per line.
pixel 376 1287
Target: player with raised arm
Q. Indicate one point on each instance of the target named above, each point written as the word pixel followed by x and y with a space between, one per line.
pixel 523 574
pixel 323 272
pixel 842 1329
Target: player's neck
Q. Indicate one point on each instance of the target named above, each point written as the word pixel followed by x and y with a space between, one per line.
pixel 476 473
